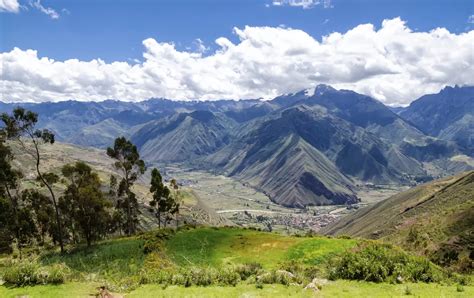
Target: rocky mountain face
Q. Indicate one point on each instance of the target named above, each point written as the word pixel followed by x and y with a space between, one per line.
pixel 447 115
pixel 307 148
pixel 183 137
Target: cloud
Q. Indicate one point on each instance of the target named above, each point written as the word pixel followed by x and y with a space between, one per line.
pixel 200 46
pixel 392 63
pixel 470 19
pixel 46 10
pixel 9 6
pixel 305 4
pixel 14 6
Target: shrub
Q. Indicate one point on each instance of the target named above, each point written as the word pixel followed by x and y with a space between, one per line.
pixel 247 270
pixel 154 241
pixel 277 277
pixel 459 288
pixel 229 276
pixel 57 274
pixel 29 272
pixel 379 263
pixel 22 274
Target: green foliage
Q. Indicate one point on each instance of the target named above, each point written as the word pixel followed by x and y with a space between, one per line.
pixel 113 260
pixel 164 203
pixel 129 163
pixel 247 270
pixel 194 276
pixel 84 203
pixel 317 250
pixel 30 272
pixel 154 240
pixel 383 263
pixel 21 123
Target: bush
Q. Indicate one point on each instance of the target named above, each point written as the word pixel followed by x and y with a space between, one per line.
pixel 277 277
pixel 22 274
pixel 379 263
pixel 29 272
pixel 229 277
pixel 57 274
pixel 194 276
pixel 247 270
pixel 154 240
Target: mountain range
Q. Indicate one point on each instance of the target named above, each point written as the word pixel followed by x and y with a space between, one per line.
pixel 312 147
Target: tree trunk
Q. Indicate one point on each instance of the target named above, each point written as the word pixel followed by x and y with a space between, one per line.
pixel 58 219
pixel 15 210
pixel 159 219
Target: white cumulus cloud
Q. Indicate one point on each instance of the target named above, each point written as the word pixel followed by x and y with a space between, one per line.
pixel 9 6
pixel 391 63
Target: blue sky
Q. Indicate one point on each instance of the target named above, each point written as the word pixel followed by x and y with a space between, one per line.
pixel 394 51
pixel 114 29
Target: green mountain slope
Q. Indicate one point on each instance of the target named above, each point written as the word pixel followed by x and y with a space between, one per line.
pixel 434 219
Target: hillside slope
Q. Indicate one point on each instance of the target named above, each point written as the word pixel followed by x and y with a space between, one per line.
pixel 193 209
pixel 434 218
pixel 183 137
pixel 305 155
pixel 448 115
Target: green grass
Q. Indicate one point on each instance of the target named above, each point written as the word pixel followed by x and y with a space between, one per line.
pixel 333 289
pixel 344 288
pixel 316 250
pixel 118 262
pixel 72 290
pixel 111 259
pixel 152 291
pixel 215 247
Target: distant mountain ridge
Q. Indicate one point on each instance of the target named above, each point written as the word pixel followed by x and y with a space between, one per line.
pixel 448 115
pixel 307 148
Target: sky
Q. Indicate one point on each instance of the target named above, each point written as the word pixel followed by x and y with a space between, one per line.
pixel 394 51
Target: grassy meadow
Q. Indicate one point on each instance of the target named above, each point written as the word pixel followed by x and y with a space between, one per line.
pixel 134 267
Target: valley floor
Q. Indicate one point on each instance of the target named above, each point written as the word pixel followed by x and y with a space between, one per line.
pixel 240 204
pixel 333 289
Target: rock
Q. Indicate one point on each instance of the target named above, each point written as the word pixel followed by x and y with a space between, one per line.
pixel 312 286
pixel 316 284
pixel 400 279
pixel 286 273
pixel 320 281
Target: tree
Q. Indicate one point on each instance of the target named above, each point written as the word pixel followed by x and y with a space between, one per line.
pixel 16 220
pixel 129 163
pixel 163 202
pixel 177 199
pixel 22 124
pixel 41 207
pixel 87 205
